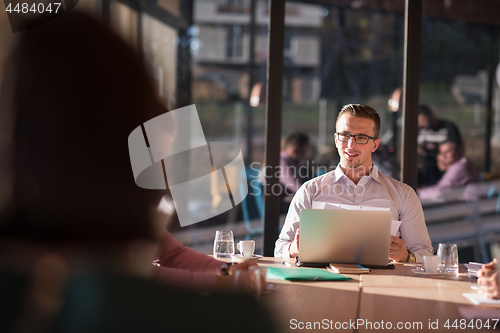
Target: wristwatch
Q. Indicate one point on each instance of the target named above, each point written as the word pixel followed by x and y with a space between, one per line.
pixel 411 256
pixel 224 270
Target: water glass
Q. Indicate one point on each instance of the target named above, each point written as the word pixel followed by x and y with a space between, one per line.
pixel 448 258
pixel 246 283
pixel 250 282
pixel 260 274
pixel 223 244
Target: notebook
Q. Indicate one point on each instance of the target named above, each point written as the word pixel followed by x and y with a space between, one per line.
pixel 344 236
pixel 304 274
pixel 348 268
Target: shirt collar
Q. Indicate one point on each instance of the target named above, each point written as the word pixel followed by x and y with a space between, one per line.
pixel 339 174
pixel 374 174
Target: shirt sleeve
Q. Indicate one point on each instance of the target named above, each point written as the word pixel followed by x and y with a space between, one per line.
pixel 301 200
pixel 184 279
pixel 174 255
pixel 413 228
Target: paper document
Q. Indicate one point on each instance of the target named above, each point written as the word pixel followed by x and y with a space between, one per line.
pixel 479 313
pixel 473 267
pixel 326 205
pixel 348 268
pixel 478 298
pixel 394 227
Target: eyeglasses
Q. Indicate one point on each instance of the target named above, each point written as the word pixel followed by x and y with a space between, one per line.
pixel 360 139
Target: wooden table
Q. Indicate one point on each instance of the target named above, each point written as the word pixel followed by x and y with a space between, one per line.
pixel 384 300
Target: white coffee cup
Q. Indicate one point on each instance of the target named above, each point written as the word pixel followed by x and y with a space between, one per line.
pixel 246 247
pixel 431 264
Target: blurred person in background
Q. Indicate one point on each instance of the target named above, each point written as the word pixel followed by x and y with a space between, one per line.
pixel 382 160
pixel 458 171
pixel 77 236
pixel 292 177
pixel 432 132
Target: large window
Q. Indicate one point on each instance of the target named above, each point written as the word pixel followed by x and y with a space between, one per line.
pixel 459 58
pixel 214 53
pixel 336 53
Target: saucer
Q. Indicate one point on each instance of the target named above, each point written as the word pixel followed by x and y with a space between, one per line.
pixel 239 257
pixel 421 272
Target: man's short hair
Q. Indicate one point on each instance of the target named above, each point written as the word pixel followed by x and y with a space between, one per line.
pixel 362 111
pixel 426 110
pixel 297 140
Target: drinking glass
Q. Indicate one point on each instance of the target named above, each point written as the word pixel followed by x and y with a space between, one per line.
pixel 251 282
pixel 448 258
pixel 261 274
pixel 246 283
pixel 223 244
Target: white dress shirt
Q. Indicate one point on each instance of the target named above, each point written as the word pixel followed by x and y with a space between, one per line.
pixel 375 190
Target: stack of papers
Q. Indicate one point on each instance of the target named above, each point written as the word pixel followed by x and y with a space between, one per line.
pixel 348 268
pixel 473 267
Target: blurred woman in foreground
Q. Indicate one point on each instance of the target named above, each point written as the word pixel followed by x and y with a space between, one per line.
pixel 77 236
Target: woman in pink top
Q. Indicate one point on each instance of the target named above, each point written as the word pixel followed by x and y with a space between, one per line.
pixel 186 268
pixel 458 171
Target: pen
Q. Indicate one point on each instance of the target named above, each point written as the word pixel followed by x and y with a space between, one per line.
pixel 286 263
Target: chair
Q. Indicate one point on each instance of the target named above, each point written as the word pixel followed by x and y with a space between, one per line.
pixel 254 202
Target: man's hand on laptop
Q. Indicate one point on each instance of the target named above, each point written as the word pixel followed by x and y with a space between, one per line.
pixel 397 251
pixel 294 246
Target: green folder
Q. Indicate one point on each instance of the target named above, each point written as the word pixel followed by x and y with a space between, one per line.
pixel 305 274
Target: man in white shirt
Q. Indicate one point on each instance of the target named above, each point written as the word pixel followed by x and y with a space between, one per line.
pixel 356 181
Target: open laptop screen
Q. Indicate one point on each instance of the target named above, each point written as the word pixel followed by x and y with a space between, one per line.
pixel 345 236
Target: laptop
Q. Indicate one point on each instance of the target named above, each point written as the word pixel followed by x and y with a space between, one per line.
pixel 344 236
pixel 495 253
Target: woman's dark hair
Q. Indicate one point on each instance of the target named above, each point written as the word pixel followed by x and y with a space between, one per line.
pixel 77 93
pixel 297 140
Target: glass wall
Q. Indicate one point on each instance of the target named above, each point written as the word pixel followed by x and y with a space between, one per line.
pixel 459 87
pixel 229 57
pixel 336 53
pixel 210 53
pixel 213 53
